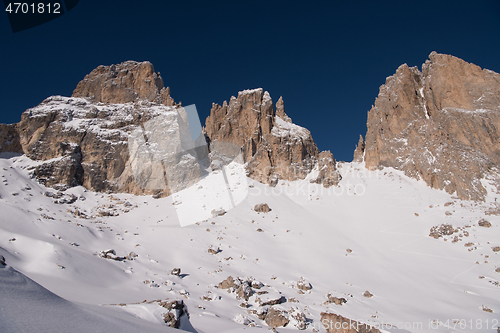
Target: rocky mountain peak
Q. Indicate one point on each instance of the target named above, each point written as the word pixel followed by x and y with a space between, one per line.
pixel 280 110
pixel 273 147
pixel 124 83
pixel 441 124
pixel 86 139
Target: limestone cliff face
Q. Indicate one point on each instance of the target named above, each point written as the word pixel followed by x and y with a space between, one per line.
pixel 82 143
pixel 273 147
pixel 441 124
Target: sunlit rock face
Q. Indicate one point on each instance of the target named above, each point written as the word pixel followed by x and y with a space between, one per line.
pixel 273 146
pixel 441 124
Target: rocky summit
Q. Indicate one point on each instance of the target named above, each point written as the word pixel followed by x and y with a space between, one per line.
pixel 83 140
pixel 440 124
pixel 87 139
pixel 123 83
pixel 273 146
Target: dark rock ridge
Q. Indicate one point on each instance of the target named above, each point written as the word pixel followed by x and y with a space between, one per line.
pixel 86 139
pixel 273 146
pixel 441 124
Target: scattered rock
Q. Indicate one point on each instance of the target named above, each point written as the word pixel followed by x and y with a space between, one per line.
pixel 218 212
pixel 367 294
pixel 303 285
pixel 335 300
pixel 176 309
pixel 243 320
pixel 262 208
pixel 132 256
pixel 210 297
pixel 442 230
pixel 260 312
pixel 110 254
pixel 61 198
pixel 496 249
pixel 335 323
pixel 244 291
pixel 270 299
pixel 257 284
pixel 214 251
pixel 497 270
pixel 277 317
pixel 348 250
pixel 229 283
pixel 260 230
pixel 297 319
pixel 487 309
pixel 484 223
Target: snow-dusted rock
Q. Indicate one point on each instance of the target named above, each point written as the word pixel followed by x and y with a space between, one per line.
pixel 439 124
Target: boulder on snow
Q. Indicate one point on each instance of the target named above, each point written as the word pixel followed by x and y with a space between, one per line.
pixel 212 250
pixel 176 271
pixel 297 319
pixel 277 317
pixel 244 291
pixel 218 212
pixel 262 208
pixel 176 309
pixel 2 261
pixel 229 283
pixel 335 300
pixel 483 223
pixel 110 254
pixel 303 285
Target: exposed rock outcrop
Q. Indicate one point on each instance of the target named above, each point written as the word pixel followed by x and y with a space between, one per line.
pixel 262 208
pixel 124 83
pixel 272 145
pixel 359 152
pixel 277 317
pixel 9 139
pixel 110 136
pixel 83 143
pixel 441 124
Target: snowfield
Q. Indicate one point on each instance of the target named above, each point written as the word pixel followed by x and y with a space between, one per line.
pixel 103 262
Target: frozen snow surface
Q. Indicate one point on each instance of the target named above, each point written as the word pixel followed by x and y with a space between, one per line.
pixel 80 261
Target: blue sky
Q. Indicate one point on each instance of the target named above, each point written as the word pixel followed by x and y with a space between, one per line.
pixel 327 59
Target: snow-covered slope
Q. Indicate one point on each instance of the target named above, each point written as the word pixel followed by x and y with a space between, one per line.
pixel 28 307
pixel 369 234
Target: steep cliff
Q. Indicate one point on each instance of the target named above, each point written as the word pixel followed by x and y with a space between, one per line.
pixel 441 124
pixel 273 146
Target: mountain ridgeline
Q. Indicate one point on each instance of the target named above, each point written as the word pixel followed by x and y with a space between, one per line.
pixel 440 124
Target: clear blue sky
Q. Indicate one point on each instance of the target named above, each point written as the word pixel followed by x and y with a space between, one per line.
pixel 327 59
